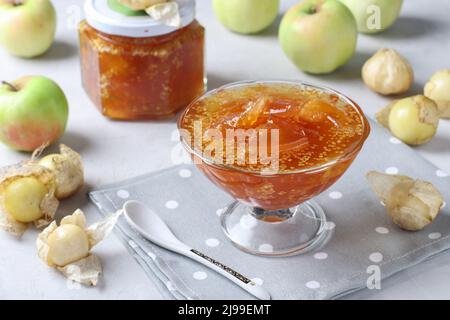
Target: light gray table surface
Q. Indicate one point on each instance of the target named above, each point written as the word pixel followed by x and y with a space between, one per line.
pixel 113 151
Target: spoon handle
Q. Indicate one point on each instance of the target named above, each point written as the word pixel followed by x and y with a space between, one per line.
pixel 242 281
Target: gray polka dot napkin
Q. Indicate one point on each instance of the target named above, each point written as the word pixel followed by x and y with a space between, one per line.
pixel 365 242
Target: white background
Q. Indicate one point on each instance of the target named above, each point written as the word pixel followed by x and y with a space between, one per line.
pixel 116 150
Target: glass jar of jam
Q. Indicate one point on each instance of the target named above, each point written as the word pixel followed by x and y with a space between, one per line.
pixel 135 68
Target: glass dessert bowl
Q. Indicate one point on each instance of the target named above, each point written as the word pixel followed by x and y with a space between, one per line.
pixel 273 146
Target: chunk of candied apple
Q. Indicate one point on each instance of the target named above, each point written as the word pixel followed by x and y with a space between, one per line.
pixel 254 110
pixel 296 137
pixel 318 110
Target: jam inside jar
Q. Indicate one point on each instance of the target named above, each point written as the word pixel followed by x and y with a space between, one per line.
pixel 130 75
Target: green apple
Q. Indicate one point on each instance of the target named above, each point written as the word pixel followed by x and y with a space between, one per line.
pixel 373 16
pixel 33 111
pixel 246 16
pixel 319 36
pixel 27 27
pixel 122 9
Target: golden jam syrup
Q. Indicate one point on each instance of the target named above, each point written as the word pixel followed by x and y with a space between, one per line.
pixel 314 127
pixel 142 78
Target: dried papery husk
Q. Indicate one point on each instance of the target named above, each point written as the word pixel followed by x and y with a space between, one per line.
pixel 167 13
pixel 42 243
pixel 8 224
pixel 77 218
pixel 382 116
pixel 38 152
pixel 387 72
pixel 100 230
pixel 140 4
pixel 86 270
pixel 49 203
pixel 412 204
pixel 67 166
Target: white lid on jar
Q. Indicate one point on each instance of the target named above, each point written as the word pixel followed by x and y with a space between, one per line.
pixel 101 17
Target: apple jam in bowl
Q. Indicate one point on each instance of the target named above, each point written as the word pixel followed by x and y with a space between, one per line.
pixel 273 146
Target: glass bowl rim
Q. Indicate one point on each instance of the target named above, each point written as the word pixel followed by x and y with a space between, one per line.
pixel 324 166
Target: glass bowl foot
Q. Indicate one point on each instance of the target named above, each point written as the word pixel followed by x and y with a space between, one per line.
pixel 279 233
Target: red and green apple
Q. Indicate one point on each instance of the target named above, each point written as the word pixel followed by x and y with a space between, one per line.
pixel 33 112
pixel 27 27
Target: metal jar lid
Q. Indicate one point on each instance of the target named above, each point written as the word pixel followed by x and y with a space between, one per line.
pixel 100 16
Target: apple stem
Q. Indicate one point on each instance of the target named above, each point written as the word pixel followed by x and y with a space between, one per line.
pixel 10 85
pixel 15 2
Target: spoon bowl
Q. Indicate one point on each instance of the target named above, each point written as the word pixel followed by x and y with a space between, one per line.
pixel 150 225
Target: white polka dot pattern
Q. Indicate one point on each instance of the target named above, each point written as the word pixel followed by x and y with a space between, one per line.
pixel 212 242
pixel 171 204
pixel 392 170
pixel 394 140
pixel 123 194
pixel 185 173
pixel 376 257
pixel 170 286
pixel 382 230
pixel 321 255
pixel 200 275
pixel 335 195
pixel 435 235
pixel 132 244
pixel 313 284
pixel 151 255
pixel 441 174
